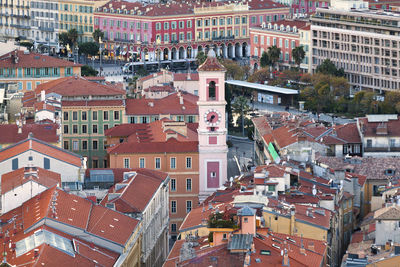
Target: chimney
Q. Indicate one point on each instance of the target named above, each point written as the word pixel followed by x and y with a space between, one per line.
pixel 42 95
pixel 181 99
pixel 311 246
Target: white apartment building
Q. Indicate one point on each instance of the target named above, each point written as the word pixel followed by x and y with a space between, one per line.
pixel 44 24
pixel 14 19
pixel 365 43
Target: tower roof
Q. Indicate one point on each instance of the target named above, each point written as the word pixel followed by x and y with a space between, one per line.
pixel 246 211
pixel 211 63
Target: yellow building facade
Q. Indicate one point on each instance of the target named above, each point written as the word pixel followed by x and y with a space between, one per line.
pixel 78 14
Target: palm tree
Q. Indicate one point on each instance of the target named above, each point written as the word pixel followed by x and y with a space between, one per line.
pixel 241 106
pixel 274 54
pixel 264 60
pixel 298 55
pixel 97 34
pixel 73 36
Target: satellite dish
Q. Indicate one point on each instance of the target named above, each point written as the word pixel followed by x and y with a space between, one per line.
pixel 314 190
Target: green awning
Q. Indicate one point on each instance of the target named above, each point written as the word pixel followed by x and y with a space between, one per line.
pixel 273 153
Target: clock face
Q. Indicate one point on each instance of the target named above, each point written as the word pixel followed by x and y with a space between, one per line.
pixel 212 117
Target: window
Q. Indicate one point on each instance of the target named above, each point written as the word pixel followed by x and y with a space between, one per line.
pixel 173 184
pixel 105 115
pixel 46 163
pixel 181 24
pixel 74 129
pixel 95 163
pixel 66 144
pixel 126 163
pixel 116 115
pixel 94 128
pixel 142 163
pixel 75 145
pixel 84 128
pixel 173 163
pixel 188 184
pixel 211 90
pixel 74 115
pixel 65 115
pixel 392 142
pixel 246 220
pixel 95 144
pixel 166 25
pixel 65 129
pixel 188 206
pixel 15 164
pixel 30 158
pixel 84 144
pixel 158 163
pixel 173 25
pixel 84 115
pixel 188 163
pixel 173 227
pixel 213 174
pixel 271 188
pixel 173 206
pixel 369 143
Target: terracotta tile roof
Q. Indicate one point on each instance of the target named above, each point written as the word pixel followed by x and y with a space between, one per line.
pixel 372 168
pixel 167 105
pixel 43 106
pixel 184 77
pixel 388 213
pixel 292 23
pixel 160 88
pixel 94 103
pixel 44 132
pixel 20 176
pixel 33 60
pixel 170 146
pixel 124 130
pixel 42 147
pixel 57 205
pixel 118 173
pixel 137 193
pixel 78 86
pixel 348 132
pixel 274 171
pixel 357 237
pixel 211 63
pixel 370 129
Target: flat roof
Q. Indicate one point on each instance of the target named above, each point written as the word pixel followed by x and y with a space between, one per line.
pixel 263 87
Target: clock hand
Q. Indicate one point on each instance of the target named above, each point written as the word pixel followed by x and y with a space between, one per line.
pixel 211 118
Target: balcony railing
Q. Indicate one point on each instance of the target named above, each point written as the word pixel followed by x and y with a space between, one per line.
pixel 382 149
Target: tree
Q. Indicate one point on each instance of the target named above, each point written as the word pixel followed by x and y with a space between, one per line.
pixel 327 67
pixel 97 34
pixel 63 38
pixel 240 106
pixel 72 36
pixel 88 71
pixel 233 70
pixel 264 60
pixel 298 55
pixel 200 58
pixel 89 48
pixel 259 76
pixel 274 54
pixel 26 44
pixel 340 86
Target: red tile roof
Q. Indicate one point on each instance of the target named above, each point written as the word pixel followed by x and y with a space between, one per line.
pixel 20 176
pixel 44 132
pixel 211 63
pixel 93 103
pixel 160 88
pixel 78 86
pixel 370 129
pixel 170 146
pixel 32 60
pixel 43 106
pixel 137 193
pixel 42 147
pixel 178 77
pixel 167 105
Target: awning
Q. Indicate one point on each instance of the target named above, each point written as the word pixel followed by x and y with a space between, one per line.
pixel 273 153
pixel 263 87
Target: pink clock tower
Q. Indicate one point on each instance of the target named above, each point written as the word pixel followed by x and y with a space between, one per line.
pixel 212 131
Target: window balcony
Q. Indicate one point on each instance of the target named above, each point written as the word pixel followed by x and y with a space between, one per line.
pixel 382 149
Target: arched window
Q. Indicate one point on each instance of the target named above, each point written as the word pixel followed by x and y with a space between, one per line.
pixel 211 91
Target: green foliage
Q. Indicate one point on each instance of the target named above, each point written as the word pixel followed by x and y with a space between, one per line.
pixel 200 58
pixel 72 36
pixel 241 107
pixel 88 71
pixel 221 220
pixel 264 60
pixel 233 70
pixel 259 76
pixel 327 67
pixel 26 44
pixel 142 71
pixel 89 48
pixel 274 53
pixel 63 39
pixel 298 54
pixel 97 34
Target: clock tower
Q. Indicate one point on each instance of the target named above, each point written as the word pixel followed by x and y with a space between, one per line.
pixel 212 131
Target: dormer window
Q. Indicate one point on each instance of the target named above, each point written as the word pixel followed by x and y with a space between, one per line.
pixel 282 28
pixel 288 28
pixel 275 27
pixel 269 26
pixel 390 172
pixel 294 29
